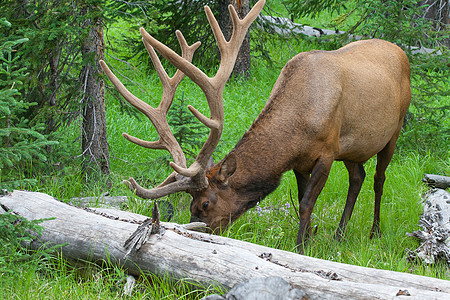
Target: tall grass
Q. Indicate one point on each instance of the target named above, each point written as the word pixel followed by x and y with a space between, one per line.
pixel 275 225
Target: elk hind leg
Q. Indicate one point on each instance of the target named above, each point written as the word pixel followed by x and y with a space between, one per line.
pixel 314 186
pixel 356 178
pixel 383 159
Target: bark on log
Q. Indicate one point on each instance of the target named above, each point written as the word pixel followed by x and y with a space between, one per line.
pixel 208 258
pixel 107 201
pixel 436 181
pixel 119 202
pixel 435 233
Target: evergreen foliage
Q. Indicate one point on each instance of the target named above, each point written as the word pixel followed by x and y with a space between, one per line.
pixel 53 55
pixel 163 17
pixel 15 230
pixel 188 131
pixel 19 141
pixel 313 8
pixel 59 58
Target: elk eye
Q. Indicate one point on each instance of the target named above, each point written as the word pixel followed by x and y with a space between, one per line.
pixel 205 205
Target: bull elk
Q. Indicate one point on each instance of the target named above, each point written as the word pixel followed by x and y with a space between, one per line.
pixel 345 105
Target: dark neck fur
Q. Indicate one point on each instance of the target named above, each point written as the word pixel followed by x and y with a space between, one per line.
pixel 252 192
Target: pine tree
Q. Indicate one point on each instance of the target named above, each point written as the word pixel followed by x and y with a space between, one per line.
pixel 19 142
pixel 188 131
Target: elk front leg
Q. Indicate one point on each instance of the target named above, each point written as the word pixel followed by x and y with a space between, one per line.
pixel 319 176
pixel 302 181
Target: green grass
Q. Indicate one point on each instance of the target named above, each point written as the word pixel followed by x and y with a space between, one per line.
pixel 400 213
pixel 52 277
pixel 55 278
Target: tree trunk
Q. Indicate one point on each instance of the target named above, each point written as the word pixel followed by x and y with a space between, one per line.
pixel 437 11
pixel 206 258
pixel 94 138
pixel 51 91
pixel 242 67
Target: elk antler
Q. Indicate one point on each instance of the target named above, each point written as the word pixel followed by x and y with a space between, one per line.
pixel 212 87
pixel 192 178
pixel 157 115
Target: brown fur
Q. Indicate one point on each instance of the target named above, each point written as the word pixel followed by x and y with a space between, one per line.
pixel 346 105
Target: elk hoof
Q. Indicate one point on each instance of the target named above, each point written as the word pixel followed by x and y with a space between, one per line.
pixel 314 230
pixel 375 232
pixel 300 249
pixel 339 235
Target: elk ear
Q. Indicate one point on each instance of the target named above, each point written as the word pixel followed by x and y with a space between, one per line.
pixel 227 169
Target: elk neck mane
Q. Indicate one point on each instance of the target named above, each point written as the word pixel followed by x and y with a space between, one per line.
pixel 254 178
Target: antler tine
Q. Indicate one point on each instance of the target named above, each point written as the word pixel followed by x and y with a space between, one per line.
pixel 212 87
pixel 187 52
pixel 229 50
pixel 162 74
pixel 170 83
pixel 160 191
pixel 132 99
pixel 157 115
pixel 166 139
pixel 178 61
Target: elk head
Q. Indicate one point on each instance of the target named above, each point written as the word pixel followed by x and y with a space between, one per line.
pixel 216 204
pixel 195 179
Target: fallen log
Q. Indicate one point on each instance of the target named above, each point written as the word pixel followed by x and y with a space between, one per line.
pixel 435 223
pixel 436 181
pixel 285 27
pixel 100 235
